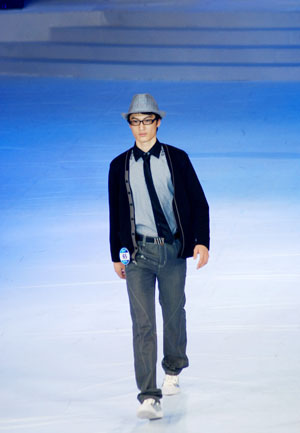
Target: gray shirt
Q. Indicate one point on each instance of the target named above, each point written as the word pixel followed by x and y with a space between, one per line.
pixel 144 218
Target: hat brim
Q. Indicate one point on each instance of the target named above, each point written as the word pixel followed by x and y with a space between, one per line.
pixel 160 113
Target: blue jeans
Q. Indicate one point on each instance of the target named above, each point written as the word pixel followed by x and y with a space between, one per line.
pixel 157 263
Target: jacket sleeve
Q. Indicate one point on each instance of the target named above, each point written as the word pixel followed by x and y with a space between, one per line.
pixel 114 212
pixel 200 208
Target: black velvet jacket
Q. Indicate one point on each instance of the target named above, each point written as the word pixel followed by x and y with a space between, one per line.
pixel 189 204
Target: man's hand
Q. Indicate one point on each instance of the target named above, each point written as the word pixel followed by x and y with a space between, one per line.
pixel 203 255
pixel 120 270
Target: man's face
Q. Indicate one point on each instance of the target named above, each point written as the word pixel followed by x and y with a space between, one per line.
pixel 144 134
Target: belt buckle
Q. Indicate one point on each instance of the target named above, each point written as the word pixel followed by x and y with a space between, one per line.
pixel 159 241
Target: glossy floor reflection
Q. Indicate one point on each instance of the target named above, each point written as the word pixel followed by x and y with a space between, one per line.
pixel 66 357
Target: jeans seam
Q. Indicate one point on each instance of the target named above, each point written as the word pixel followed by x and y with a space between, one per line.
pixel 138 326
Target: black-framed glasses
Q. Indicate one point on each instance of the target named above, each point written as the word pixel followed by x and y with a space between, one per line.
pixel 137 122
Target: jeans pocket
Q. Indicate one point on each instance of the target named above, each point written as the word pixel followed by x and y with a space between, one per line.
pixel 148 253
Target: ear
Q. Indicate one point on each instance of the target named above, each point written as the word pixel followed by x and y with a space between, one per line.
pixel 158 122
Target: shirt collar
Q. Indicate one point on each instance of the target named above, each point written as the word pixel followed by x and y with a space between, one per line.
pixel 155 150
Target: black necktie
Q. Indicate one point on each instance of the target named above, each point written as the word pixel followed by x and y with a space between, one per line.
pixel 163 229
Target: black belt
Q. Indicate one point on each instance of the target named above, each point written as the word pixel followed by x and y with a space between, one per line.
pixel 159 241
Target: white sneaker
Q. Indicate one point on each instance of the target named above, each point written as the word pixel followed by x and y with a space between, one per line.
pixel 171 385
pixel 150 409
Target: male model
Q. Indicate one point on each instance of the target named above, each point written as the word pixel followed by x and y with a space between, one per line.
pixel 159 216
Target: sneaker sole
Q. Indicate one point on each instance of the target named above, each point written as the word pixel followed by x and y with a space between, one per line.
pixel 146 414
pixel 166 393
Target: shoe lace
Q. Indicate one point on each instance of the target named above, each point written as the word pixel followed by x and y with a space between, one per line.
pixel 150 401
pixel 171 380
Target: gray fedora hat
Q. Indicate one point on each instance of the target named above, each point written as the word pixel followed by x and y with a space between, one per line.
pixel 143 103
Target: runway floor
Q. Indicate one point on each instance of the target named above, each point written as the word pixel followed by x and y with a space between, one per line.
pixel 66 363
